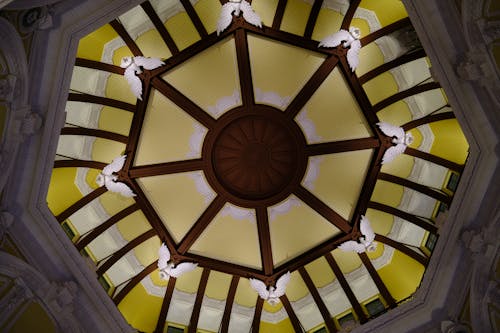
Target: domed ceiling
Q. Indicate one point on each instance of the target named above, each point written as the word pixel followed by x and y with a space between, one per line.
pixel 252 153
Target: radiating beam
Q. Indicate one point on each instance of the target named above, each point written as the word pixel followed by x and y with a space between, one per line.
pixel 166 168
pixel 434 159
pixel 404 215
pixel 291 314
pixel 94 132
pixel 378 281
pixel 313 17
pixel 162 30
pixel 244 69
pixel 86 98
pixel 405 93
pixel 404 22
pixel 87 63
pixel 79 164
pixel 402 248
pixel 345 286
pixel 278 16
pixel 165 305
pixel 194 18
pixel 330 325
pixel 428 119
pixel 120 30
pixel 257 314
pixel 229 304
pixel 133 282
pixel 266 253
pixel 346 22
pixel 341 146
pixel 195 315
pixel 80 204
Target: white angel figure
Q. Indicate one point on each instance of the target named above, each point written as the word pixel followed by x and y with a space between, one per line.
pixel 237 6
pixel 351 41
pixel 366 241
pixel 400 138
pixel 133 66
pixel 108 178
pixel 272 294
pixel 167 268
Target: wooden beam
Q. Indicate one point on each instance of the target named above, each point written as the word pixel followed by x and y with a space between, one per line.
pixel 79 164
pixel 244 69
pixel 87 63
pixel 266 253
pixel 378 281
pixel 435 159
pixel 183 102
pixel 194 18
pixel 97 231
pixel 124 250
pixel 94 132
pixel 278 16
pixel 404 215
pixel 86 98
pixel 257 314
pixel 341 146
pixel 353 6
pixel 404 22
pixel 403 248
pixel 120 30
pixel 291 314
pixel 133 282
pixel 443 197
pixel 200 225
pixel 165 305
pixel 313 17
pixel 404 59
pixel 405 93
pixel 229 304
pixel 428 119
pixel 165 168
pixel 80 204
pixel 330 325
pixel 347 289
pixel 162 30
pixel 195 315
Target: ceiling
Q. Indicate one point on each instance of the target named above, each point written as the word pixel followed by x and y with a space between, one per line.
pixel 254 153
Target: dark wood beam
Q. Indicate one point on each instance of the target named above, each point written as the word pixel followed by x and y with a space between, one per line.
pixel 434 159
pixel 341 146
pixel 428 119
pixel 79 164
pixel 323 209
pixel 224 326
pixel 94 132
pixel 405 93
pixel 378 281
pixel 402 248
pixel 291 314
pixel 347 289
pixel 313 17
pixel 86 98
pixel 97 231
pixel 278 16
pixel 404 22
pixel 183 102
pixel 165 168
pixel 194 18
pixel 443 197
pixel 87 63
pixel 353 6
pixel 257 314
pixel 311 86
pixel 404 215
pixel 165 305
pixel 80 204
pixel 133 282
pixel 120 30
pixel 200 225
pixel 124 250
pixel 162 30
pixel 404 59
pixel 244 69
pixel 195 315
pixel 266 253
pixel 330 325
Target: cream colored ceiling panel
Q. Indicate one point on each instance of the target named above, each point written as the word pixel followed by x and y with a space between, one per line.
pixel 339 179
pixel 168 133
pixel 104 150
pixel 396 114
pixel 147 251
pixel 133 225
pixel 208 77
pixel 295 16
pixel 210 318
pixel 320 272
pixel 208 11
pixel 380 87
pixel 401 166
pixel 347 261
pixel 182 30
pixel 381 222
pixel 115 120
pixel 152 45
pixel 387 193
pixel 245 295
pixel 177 200
pixel 334 112
pixel 218 285
pixel 189 281
pixel 327 23
pixel 266 10
pixel 297 230
pixel 232 239
pixel 370 57
pixel 114 202
pixel 289 66
pixel 296 288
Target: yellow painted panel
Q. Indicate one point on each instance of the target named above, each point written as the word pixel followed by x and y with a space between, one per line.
pixel 340 180
pixel 152 45
pixel 189 281
pixel 387 193
pixel 387 11
pixel 266 10
pixel 218 285
pixel 381 222
pixel 104 150
pixel 284 326
pixel 402 276
pixel 401 166
pixel 147 252
pixel 208 11
pixel 115 120
pixel 272 308
pixel 370 57
pixel 335 112
pixel 320 272
pixel 114 202
pixel 380 87
pixel 133 225
pixel 145 316
pixel 182 30
pixel 288 236
pixel 33 319
pixel 157 281
pixel 396 114
pixel 222 240
pixel 118 88
pixel 62 191
pixel 245 295
pixel 450 142
pixel 178 210
pixel 296 289
pixel 295 17
pixel 378 251
pixel 347 261
pixel 215 68
pixel 91 176
pixel 92 45
pixel 119 53
pixel 289 66
pixel 327 23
